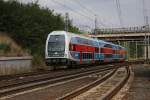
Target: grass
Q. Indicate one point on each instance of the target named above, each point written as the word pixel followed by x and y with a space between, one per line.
pixel 38 63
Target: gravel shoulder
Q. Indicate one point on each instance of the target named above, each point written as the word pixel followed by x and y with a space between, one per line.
pixel 140 87
pixel 100 91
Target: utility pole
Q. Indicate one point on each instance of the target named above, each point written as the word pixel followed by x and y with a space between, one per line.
pixel 136 50
pixel 66 21
pixel 128 53
pixel 146 36
pixel 119 13
pixel 146 29
pixel 95 30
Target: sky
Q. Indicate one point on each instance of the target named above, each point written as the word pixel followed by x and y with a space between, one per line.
pixel 84 12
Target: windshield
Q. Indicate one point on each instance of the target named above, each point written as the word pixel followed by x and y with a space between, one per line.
pixel 56 46
pixel 56 43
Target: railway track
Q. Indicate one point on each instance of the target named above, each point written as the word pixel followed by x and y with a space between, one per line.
pixel 9 89
pixel 60 81
pixel 25 78
pixel 115 90
pixel 103 90
pixel 18 76
pixel 87 87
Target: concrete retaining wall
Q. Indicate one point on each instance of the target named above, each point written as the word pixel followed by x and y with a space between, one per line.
pixel 15 65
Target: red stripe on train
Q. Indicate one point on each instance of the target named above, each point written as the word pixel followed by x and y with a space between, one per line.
pixel 84 48
pixel 107 50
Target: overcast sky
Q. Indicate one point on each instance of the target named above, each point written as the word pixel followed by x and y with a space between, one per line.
pixel 82 11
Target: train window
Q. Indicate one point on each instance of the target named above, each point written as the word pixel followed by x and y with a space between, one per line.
pixel 114 51
pixel 54 38
pixel 101 44
pixel 96 50
pixel 56 43
pixel 86 41
pixel 108 55
pixel 121 56
pixel 78 40
pixel 90 54
pixel 72 47
pixel 89 42
pixel 95 43
pixel 119 48
pixel 108 45
pixel 84 56
pixel 74 40
pixel 87 55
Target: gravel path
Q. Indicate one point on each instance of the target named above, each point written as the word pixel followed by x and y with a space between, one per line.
pixel 140 88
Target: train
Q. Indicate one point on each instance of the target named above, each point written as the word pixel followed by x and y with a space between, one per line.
pixel 66 48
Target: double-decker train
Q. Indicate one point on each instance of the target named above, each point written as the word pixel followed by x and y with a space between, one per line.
pixel 65 48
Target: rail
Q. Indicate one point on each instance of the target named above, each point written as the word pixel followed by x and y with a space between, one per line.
pixel 31 83
pixel 112 93
pixel 82 90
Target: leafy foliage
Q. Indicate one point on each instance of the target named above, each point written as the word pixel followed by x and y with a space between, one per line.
pixel 29 25
pixel 4 47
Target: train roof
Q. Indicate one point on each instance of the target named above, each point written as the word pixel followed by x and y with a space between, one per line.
pixel 89 38
pixel 73 34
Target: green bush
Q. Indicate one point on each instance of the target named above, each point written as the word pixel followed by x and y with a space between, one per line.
pixel 37 62
pixel 5 47
pixel 29 24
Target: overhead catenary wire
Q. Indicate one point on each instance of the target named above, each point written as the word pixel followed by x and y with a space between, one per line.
pixel 85 8
pixel 76 12
pixel 71 9
pixel 145 14
pixel 119 13
pixel 90 10
pixel 82 13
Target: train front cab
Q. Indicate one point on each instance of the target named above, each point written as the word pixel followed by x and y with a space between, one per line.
pixel 56 49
